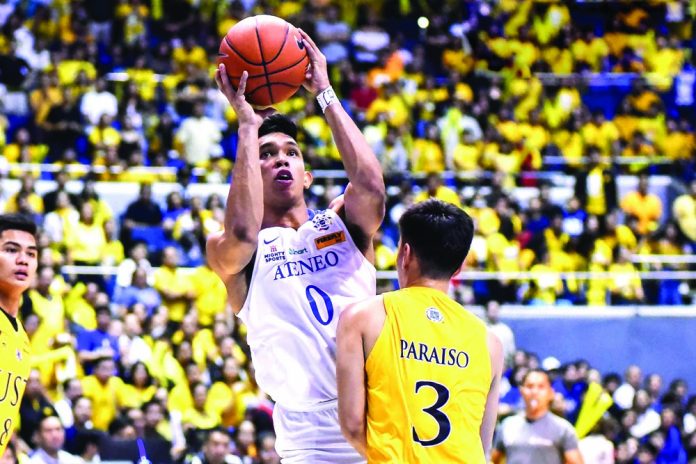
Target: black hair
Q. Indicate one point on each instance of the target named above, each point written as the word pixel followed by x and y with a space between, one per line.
pixel 278 123
pixel 17 221
pixel 440 236
pixel 536 371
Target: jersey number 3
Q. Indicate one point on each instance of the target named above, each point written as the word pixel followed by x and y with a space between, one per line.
pixel 434 411
pixel 309 292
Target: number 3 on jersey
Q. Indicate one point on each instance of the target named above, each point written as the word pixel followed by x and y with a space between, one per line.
pixel 323 320
pixel 444 425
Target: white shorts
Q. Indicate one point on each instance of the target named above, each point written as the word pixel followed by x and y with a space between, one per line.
pixel 312 437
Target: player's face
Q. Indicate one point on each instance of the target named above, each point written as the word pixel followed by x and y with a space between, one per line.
pixel 18 260
pixel 282 168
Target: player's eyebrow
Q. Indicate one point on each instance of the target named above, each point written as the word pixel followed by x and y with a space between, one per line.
pixel 30 247
pixel 268 145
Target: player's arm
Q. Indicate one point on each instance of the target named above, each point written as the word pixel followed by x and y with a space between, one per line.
pixel 490 414
pixel 350 373
pixel 230 251
pixel 573 457
pixel 365 194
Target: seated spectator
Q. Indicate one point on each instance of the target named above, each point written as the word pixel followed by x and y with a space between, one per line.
pixel 98 102
pixel 139 387
pixel 435 188
pixel 625 283
pixel 35 406
pixel 50 440
pixel 105 389
pixel 645 206
pixel 684 211
pixel 139 292
pixel 93 345
pixel 82 413
pixel 215 450
pixel 72 390
pixel 198 416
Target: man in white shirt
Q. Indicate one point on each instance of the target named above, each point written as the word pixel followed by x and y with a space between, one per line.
pixel 623 396
pixel 97 102
pixel 198 135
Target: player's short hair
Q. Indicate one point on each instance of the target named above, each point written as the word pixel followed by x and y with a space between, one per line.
pixel 278 123
pixel 440 236
pixel 16 221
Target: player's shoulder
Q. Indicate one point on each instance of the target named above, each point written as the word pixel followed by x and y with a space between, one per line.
pixel 359 312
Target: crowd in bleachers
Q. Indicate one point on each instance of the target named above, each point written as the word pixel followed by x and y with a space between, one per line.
pixel 469 103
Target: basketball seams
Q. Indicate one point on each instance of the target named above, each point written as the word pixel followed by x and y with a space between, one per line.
pixel 239 54
pixel 276 71
pixel 263 63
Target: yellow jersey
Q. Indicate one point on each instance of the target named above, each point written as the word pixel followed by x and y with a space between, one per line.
pixel 14 356
pixel 428 377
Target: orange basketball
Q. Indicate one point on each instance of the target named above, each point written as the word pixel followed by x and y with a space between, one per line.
pixel 271 50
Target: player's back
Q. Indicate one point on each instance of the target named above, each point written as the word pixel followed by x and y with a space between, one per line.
pixel 429 374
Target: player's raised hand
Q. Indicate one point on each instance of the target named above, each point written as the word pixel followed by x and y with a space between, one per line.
pixel 246 114
pixel 317 77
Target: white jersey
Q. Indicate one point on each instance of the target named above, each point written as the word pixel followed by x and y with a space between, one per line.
pixel 301 281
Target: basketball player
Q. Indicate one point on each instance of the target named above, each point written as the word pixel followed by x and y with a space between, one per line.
pixel 418 375
pixel 289 272
pixel 18 263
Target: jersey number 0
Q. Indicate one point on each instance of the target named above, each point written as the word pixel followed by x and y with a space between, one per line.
pixel 309 292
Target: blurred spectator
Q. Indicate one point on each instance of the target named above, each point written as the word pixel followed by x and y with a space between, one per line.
pixel 97 344
pixel 646 206
pixel 332 35
pixel 502 330
pixel 647 419
pixel 50 440
pixel 624 394
pixel 139 292
pixel 72 390
pixel 98 102
pixel 197 136
pixel 104 388
pixel 216 449
pixel 34 408
pixel 536 435
pixel 143 212
pixel 265 443
pixel 173 285
pixel 435 188
pixel 684 211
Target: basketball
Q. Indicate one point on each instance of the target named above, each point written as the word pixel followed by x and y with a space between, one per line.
pixel 271 50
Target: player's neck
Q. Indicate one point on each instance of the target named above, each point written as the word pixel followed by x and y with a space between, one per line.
pixel 10 303
pixel 441 285
pixel 293 217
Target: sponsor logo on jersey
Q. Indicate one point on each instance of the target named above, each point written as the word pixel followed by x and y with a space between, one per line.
pixel 268 242
pixel 441 355
pixel 274 256
pixel 321 221
pixel 330 239
pixel 309 265
pixel 434 314
pixel 301 251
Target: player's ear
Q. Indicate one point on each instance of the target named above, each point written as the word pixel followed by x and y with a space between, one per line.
pixel 308 178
